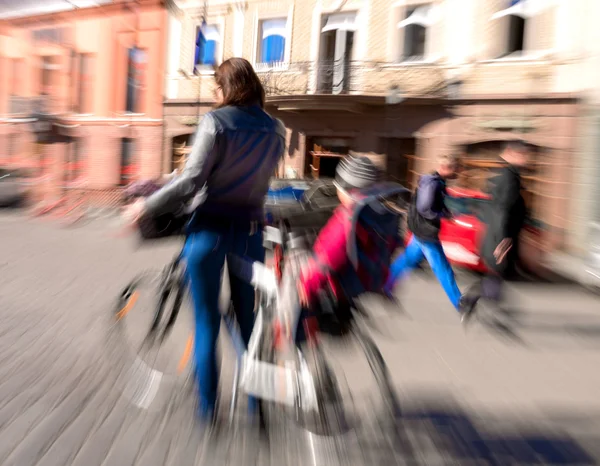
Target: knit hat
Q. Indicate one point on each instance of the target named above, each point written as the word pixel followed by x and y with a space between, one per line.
pixel 356 172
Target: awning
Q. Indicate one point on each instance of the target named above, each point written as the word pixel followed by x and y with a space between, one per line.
pixel 274 27
pixel 524 9
pixel 425 16
pixel 211 33
pixel 341 22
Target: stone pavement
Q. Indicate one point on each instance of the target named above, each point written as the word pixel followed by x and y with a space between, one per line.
pixel 513 389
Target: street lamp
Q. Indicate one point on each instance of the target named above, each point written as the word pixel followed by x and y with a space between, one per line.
pixel 394 96
pixel 454 89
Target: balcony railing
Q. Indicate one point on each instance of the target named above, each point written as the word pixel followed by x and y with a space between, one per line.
pixel 351 77
pixel 22 106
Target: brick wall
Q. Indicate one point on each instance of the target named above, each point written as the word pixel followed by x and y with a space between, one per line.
pixel 526 78
pixel 383 41
pixel 100 151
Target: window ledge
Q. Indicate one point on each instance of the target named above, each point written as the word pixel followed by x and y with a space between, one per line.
pixel 408 63
pixel 204 70
pixel 266 67
pixel 530 57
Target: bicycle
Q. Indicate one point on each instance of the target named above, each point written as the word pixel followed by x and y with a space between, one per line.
pixel 306 393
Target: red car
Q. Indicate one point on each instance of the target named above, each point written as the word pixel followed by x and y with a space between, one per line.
pixel 462 235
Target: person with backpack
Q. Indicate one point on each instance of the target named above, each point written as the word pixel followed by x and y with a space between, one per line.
pixel 426 211
pixel 353 252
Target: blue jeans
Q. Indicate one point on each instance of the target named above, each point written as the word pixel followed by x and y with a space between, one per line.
pixel 415 252
pixel 205 252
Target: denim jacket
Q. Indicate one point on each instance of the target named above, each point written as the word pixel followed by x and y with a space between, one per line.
pixel 235 153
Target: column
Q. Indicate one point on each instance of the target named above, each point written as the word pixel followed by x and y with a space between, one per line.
pixel 584 201
pixel 238 33
pixel 173 48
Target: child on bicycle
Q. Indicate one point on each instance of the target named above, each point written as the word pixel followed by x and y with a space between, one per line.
pixel 352 253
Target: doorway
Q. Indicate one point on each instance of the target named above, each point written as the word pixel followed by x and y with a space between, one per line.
pixel 401 160
pixel 325 155
pixel 328 166
pixel 182 146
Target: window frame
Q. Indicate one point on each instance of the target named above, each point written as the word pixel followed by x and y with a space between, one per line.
pixel 204 68
pixel 529 35
pixel 261 67
pixel 219 23
pixel 124 176
pixel 409 11
pixel 400 12
pixel 138 104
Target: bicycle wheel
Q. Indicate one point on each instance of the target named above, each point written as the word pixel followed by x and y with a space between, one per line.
pixel 320 433
pixel 153 337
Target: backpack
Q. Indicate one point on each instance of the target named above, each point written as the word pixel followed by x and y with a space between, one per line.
pixel 420 226
pixel 374 238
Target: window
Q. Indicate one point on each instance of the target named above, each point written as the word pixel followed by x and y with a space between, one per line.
pixel 128 167
pixel 516 34
pixel 272 41
pixel 208 45
pixel 514 21
pixel 335 52
pixel 415 27
pixel 52 36
pixel 49 68
pixel 136 61
pixel 85 97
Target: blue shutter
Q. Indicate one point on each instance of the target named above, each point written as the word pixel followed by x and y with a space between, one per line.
pixel 514 2
pixel 200 47
pixel 273 49
pixel 210 49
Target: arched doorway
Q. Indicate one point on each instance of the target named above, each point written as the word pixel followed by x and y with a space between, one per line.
pixel 481 161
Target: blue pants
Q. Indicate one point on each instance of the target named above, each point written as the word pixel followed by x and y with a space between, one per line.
pixel 205 252
pixel 415 252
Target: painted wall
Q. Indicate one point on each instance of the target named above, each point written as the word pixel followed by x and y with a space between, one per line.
pixel 106 35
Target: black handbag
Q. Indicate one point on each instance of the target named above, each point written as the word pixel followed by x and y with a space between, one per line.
pixel 163 226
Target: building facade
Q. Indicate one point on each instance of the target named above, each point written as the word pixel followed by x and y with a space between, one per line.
pixel 400 80
pixel 94 76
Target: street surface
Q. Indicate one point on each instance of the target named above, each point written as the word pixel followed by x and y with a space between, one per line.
pixel 517 388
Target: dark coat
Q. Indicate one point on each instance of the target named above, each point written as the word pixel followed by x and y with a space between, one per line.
pixel 504 218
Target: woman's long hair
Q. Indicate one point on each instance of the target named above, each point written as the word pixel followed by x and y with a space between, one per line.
pixel 239 83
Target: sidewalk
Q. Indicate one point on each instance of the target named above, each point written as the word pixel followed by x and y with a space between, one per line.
pixel 568 265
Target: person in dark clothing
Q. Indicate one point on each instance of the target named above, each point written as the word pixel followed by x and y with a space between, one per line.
pixel 425 213
pixel 226 178
pixel 505 219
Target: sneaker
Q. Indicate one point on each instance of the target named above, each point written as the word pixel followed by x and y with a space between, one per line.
pixel 467 307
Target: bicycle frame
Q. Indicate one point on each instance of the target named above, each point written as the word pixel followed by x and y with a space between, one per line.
pixel 260 378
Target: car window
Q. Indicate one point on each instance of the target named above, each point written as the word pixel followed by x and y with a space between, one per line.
pixel 467 206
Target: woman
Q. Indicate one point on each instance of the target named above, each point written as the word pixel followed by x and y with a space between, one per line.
pixel 236 150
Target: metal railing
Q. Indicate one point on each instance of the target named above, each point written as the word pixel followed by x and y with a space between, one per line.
pixel 30 105
pixel 350 77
